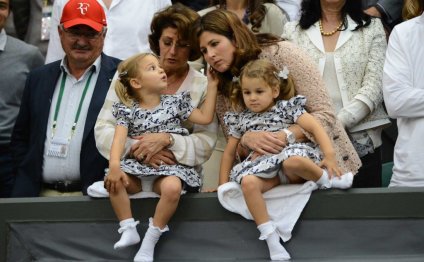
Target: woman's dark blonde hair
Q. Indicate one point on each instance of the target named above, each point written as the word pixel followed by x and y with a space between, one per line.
pixel 175 16
pixel 412 8
pixel 127 70
pixel 256 8
pixel 265 70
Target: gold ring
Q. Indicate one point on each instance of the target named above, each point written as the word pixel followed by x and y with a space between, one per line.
pixel 161 162
pixel 141 156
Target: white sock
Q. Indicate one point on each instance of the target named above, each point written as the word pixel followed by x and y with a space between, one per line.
pixel 276 250
pixel 342 182
pixel 324 182
pixel 145 253
pixel 129 233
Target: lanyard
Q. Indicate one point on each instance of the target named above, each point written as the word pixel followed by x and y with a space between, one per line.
pixel 59 101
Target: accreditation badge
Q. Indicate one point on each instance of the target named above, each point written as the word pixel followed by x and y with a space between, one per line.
pixel 58 147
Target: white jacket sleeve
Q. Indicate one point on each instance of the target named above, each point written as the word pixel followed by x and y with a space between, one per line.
pixel 402 95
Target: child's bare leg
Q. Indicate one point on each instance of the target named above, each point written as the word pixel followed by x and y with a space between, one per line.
pixel 252 188
pixel 169 188
pixel 119 199
pixel 122 207
pixel 298 169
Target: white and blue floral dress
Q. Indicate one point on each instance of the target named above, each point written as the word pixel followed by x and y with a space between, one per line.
pixel 165 118
pixel 280 116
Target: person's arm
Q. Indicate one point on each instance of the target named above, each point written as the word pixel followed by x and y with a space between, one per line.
pixel 205 114
pixel 105 125
pixel 403 95
pixel 308 82
pixel 54 49
pixel 264 142
pixel 196 148
pixel 370 95
pixel 116 175
pixel 227 160
pixel 22 130
pixel 307 122
pixel 191 150
pixel 389 10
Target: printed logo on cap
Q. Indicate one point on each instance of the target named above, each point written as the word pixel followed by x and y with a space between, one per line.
pixel 83 7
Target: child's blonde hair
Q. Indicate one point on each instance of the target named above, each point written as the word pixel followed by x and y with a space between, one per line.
pixel 265 70
pixel 127 70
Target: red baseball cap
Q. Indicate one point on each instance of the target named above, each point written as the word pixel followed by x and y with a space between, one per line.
pixel 83 12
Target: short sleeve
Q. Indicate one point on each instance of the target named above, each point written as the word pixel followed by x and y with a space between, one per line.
pixel 294 108
pixel 184 106
pixel 122 114
pixel 232 121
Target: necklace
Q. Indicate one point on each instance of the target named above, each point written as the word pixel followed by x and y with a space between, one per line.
pixel 329 33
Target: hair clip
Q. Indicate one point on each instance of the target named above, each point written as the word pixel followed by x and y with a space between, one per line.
pixel 123 73
pixel 282 73
pixel 236 79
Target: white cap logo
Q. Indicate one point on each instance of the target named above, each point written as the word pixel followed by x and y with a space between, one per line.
pixel 83 7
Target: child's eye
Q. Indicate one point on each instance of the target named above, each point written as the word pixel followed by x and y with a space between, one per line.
pixel 215 43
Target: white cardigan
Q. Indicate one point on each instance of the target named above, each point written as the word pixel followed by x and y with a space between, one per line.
pixel 358 58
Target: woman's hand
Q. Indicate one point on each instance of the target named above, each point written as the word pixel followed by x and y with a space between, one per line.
pixel 263 142
pixel 114 177
pixel 164 157
pixel 330 164
pixel 148 145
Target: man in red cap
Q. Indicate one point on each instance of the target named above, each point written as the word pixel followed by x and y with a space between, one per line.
pixel 128 22
pixel 53 139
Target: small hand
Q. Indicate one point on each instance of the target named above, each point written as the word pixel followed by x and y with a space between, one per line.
pixel 330 164
pixel 114 177
pixel 212 77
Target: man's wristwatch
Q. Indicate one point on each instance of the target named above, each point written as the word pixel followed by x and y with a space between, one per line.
pixel 171 141
pixel 290 137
